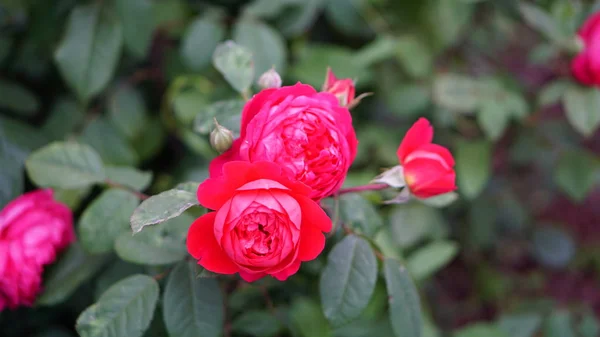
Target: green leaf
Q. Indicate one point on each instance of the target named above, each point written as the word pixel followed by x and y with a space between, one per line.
pixel 228 114
pixel 200 41
pixel 473 166
pixel 137 18
pixel 576 173
pixel 559 324
pixel 129 176
pixel 441 200
pixel 307 319
pixel 65 117
pixel 65 165
pixel 347 17
pixel 109 142
pixel 348 280
pixel 156 245
pixel 236 64
pixel 480 330
pixel 553 92
pixel 582 106
pixel 24 136
pixel 114 273
pixel 188 105
pixel 18 99
pixel 105 219
pixel 266 45
pixel 192 305
pixel 403 298
pixel 266 9
pixel 72 269
pixel 298 18
pixel 359 213
pixel 414 55
pixel 413 222
pixel 162 207
pixel 429 259
pixel 125 309
pixel 127 111
pixel 151 141
pixel 493 118
pixel 11 175
pixel 589 325
pixel 256 323
pixel 89 51
pixel 553 247
pixel 520 325
pixel 542 21
pixel 381 49
pixel 456 92
pixel 409 99
pixel 313 60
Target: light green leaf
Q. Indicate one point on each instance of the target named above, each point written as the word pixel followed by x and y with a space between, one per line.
pixel 553 247
pixel 65 165
pixel 409 99
pixel 582 106
pixel 127 111
pixel 429 259
pixel 189 104
pixel 18 99
pixel 156 245
pixel 228 114
pixel 589 325
pixel 89 51
pixel 129 176
pixel 542 21
pixel 441 200
pixel 256 323
pixel 72 269
pixel 403 298
pixel 520 325
pixel 162 207
pixel 381 49
pixel 125 309
pixel 151 141
pixel 105 219
pixel 414 55
pixel 576 173
pixel 456 92
pixel 65 117
pixel 266 45
pixel 192 305
pixel 359 213
pixel 200 41
pixel 236 64
pixel 348 280
pixel 306 317
pixel 493 118
pixel 559 324
pixel 109 142
pixel 553 92
pixel 413 222
pixel 480 330
pixel 137 18
pixel 473 166
pixel 266 8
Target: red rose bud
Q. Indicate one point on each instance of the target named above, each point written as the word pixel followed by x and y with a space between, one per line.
pixel 221 138
pixel 270 79
pixel 263 223
pixel 586 65
pixel 343 89
pixel 428 168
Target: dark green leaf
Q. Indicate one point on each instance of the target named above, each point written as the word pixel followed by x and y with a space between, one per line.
pixel 429 259
pixel 414 55
pixel 151 141
pixel 11 175
pixel 129 176
pixel 576 173
pixel 127 111
pixel 473 166
pixel 72 269
pixel 105 219
pixel 257 323
pixel 553 92
pixel 520 325
pixel 553 247
pixel 493 118
pixel 65 165
pixel 559 324
pixel 200 41
pixel 18 99
pixel 313 61
pixel 137 18
pixel 297 18
pixel 236 64
pixel 480 330
pixel 162 207
pixel 192 305
pixel 24 136
pixel 347 17
pixel 65 117
pixel 582 106
pixel 359 213
pixel 307 319
pixel 125 309
pixel 542 21
pixel 113 274
pixel 266 45
pixel 188 105
pixel 88 54
pixel 228 114
pixel 405 306
pixel 109 142
pixel 589 325
pixel 413 222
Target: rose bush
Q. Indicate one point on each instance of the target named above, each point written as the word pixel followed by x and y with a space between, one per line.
pixel 34 229
pixel 307 132
pixel 262 224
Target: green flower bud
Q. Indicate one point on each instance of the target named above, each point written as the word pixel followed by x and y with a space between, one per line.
pixel 221 138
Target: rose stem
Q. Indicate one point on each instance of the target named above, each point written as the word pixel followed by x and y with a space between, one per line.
pixel 362 188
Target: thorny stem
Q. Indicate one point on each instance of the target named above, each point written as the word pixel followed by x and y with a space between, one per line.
pixel 115 184
pixel 362 188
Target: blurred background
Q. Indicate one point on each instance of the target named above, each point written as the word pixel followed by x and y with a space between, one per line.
pixel 514 253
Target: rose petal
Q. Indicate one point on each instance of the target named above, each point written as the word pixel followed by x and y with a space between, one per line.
pixel 312 243
pixel 427 178
pixel 215 168
pixel 289 271
pixel 313 215
pixel 419 134
pixel 251 277
pixel 434 152
pixel 202 245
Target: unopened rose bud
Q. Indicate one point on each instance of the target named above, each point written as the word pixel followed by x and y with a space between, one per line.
pixel 343 89
pixel 221 138
pixel 270 79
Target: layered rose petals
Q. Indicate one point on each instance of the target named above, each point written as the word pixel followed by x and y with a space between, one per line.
pixel 343 89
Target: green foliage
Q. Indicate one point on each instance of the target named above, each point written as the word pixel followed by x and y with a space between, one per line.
pixel 405 306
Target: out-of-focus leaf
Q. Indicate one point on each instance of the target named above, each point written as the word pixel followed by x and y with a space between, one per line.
pixel 441 200
pixel 447 20
pixel 24 136
pixel 88 54
pixel 553 92
pixel 168 12
pixel 412 222
pixel 192 305
pixel 298 18
pixel 65 116
pixel 403 298
pixel 228 114
pixel 18 99
pixel 414 56
pixel 127 111
pixel 267 9
pixel 5 46
pixel 542 21
pixel 348 280
pixel 65 165
pixel 582 106
pixel 576 173
pixel 72 197
pixel 429 259
pixel 409 99
pixel 112 146
pixel 473 166
pixel 359 213
pixel 11 175
pixel 307 319
pixel 347 16
pixel 559 324
pixel 236 63
pixel 266 45
pixel 493 118
pixel 589 325
pixel 553 247
pixel 480 330
pixel 114 273
pixel 105 219
pixel 257 323
pixel 456 92
pixel 151 140
pixel 156 245
pixel 72 269
pixel 520 325
pixel 200 41
pixel 129 176
pixel 162 207
pixel 137 18
pixel 382 48
pixel 125 309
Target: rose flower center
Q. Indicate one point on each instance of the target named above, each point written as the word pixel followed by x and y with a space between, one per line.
pixel 256 234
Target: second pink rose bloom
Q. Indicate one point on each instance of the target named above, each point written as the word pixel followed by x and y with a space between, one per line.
pixel 306 132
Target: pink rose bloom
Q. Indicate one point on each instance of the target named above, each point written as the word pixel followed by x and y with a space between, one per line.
pixel 343 89
pixel 586 65
pixel 34 228
pixel 306 132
